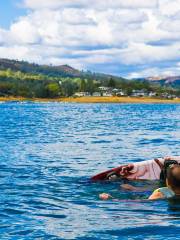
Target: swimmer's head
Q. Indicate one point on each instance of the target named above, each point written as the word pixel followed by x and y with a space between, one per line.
pixel 173 176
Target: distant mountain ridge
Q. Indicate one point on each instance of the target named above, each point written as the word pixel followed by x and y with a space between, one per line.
pixel 68 71
pixel 51 70
pixel 20 78
pixel 27 67
pixel 173 81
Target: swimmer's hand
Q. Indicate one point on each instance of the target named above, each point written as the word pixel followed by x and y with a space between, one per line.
pixel 105 196
pixel 126 170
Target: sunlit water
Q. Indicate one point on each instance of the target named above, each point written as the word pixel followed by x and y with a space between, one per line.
pixel 48 152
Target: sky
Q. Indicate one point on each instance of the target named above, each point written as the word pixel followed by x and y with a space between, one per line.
pixel 129 38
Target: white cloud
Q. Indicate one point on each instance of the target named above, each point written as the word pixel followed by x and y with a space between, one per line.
pixel 141 53
pixel 100 4
pixel 155 71
pixel 84 33
pixel 171 26
pixel 76 27
pixel 169 7
pixel 24 31
pixel 17 52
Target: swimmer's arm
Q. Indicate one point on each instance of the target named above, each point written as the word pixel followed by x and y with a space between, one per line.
pixel 106 196
pixel 156 195
pixel 132 188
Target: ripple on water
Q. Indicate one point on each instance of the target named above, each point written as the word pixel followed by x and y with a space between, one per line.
pixel 48 151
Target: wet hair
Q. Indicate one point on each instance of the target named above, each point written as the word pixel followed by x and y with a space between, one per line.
pixel 173 176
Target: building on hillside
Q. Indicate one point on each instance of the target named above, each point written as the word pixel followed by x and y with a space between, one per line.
pixel 104 89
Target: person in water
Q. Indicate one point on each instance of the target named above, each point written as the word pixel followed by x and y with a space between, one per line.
pixel 172 188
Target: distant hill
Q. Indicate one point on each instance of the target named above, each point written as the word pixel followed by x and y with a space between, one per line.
pixel 68 71
pixel 26 67
pixel 64 71
pixel 173 81
pixel 52 71
pixel 20 78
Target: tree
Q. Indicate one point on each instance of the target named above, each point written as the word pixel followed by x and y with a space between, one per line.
pixel 8 73
pixel 69 87
pixel 90 86
pixel 53 90
pixel 112 83
pixel 5 88
pixel 83 85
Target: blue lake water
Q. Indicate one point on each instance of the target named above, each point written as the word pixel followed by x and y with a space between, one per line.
pixel 48 152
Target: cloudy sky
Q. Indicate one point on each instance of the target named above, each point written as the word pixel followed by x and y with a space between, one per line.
pixel 132 38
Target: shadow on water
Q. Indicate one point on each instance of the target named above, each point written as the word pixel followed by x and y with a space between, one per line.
pixel 174 207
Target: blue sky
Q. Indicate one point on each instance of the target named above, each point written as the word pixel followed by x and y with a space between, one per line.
pixel 9 12
pixel 131 38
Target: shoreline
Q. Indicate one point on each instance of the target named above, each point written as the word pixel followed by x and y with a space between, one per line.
pixel 92 100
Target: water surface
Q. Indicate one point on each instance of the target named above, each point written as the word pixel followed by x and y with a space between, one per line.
pixel 48 152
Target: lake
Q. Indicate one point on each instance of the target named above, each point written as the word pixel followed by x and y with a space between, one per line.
pixel 49 151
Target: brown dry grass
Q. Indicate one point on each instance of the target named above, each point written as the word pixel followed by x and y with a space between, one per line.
pixel 95 100
pixel 118 100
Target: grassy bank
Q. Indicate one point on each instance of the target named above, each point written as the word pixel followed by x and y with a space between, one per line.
pixel 119 100
pixel 94 100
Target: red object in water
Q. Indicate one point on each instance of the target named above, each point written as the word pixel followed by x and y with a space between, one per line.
pixel 104 175
pixel 143 170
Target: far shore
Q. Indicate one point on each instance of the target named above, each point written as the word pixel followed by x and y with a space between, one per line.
pixel 93 100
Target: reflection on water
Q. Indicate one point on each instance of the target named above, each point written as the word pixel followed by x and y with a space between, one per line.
pixel 49 151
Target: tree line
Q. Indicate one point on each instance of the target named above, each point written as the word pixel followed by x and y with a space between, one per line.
pixel 32 85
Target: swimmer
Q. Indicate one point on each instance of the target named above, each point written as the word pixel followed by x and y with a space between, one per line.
pixel 172 188
pixel 106 196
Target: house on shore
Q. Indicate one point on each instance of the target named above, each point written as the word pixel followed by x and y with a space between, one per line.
pixel 82 94
pixel 168 96
pixel 105 91
pixel 96 94
pixel 109 92
pixel 152 94
pixel 118 92
pixel 139 93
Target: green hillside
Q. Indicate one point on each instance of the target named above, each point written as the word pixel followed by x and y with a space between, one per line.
pixel 20 78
